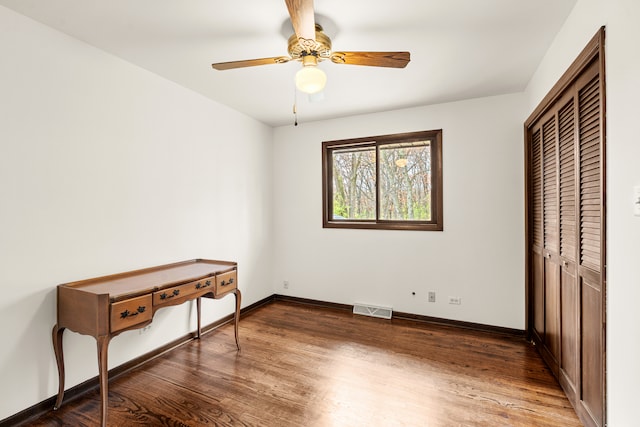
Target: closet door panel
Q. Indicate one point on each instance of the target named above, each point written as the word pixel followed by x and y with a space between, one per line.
pixel 550 188
pixel 569 302
pixel 551 240
pixel 590 174
pixel 567 161
pixel 552 312
pixel 570 340
pixel 537 263
pixel 591 242
pixel 592 362
pixel 538 294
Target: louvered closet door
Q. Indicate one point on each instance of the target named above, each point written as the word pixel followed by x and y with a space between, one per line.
pixel 591 241
pixel 566 226
pixel 537 259
pixel 551 240
pixel 569 320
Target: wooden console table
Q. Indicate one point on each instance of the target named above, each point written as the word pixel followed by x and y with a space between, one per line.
pixel 107 306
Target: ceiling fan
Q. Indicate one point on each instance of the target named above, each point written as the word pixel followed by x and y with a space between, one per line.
pixel 311 45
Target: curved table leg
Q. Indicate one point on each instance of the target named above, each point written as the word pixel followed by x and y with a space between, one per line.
pixel 236 317
pixel 57 349
pixel 103 377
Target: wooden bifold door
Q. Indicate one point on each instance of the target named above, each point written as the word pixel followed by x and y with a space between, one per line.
pixel 566 232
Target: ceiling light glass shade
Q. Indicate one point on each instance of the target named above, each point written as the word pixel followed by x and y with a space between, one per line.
pixel 401 163
pixel 310 79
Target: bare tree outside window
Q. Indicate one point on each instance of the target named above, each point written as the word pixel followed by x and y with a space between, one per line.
pixel 354 183
pixel 405 181
pixel 389 182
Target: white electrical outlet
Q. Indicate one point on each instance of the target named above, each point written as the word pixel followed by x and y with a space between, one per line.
pixel 455 300
pixel 285 284
pixel 432 296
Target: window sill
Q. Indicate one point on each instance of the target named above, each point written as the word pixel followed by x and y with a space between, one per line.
pixel 383 225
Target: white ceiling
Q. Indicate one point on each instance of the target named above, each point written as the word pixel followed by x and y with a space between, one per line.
pixel 460 49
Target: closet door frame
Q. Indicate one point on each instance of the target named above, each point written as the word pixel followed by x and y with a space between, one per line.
pixel 594 51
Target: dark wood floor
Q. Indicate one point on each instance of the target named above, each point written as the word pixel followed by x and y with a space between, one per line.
pixel 308 366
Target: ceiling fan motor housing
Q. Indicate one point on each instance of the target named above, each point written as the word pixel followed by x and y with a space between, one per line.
pixel 320 48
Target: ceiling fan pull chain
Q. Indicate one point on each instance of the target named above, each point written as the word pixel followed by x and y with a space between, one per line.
pixel 295 108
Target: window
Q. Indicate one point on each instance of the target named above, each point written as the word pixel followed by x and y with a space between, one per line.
pixel 387 182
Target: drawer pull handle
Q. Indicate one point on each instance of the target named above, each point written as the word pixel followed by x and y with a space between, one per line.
pixel 175 293
pixel 227 283
pixel 127 313
pixel 201 286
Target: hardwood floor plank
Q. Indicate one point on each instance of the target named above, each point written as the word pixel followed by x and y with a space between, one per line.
pixel 310 366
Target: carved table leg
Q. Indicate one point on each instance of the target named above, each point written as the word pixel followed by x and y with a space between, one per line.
pixel 103 376
pixel 198 305
pixel 57 349
pixel 236 316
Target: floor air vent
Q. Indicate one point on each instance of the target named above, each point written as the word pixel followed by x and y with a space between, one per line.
pixel 372 310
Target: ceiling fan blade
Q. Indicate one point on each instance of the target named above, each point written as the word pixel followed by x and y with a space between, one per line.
pixel 303 21
pixel 250 63
pixel 373 59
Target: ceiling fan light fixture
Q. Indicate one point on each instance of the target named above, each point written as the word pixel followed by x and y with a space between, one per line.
pixel 402 162
pixel 310 79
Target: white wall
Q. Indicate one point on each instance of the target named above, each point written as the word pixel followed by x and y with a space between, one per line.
pixel 479 255
pixel 622 58
pixel 104 168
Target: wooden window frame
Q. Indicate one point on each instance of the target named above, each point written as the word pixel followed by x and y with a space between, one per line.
pixel 436 222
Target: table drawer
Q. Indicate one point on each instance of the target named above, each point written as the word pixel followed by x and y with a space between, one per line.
pixel 127 313
pixel 226 282
pixel 165 296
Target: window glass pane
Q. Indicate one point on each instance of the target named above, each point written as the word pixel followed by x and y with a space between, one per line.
pixel 354 183
pixel 405 181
